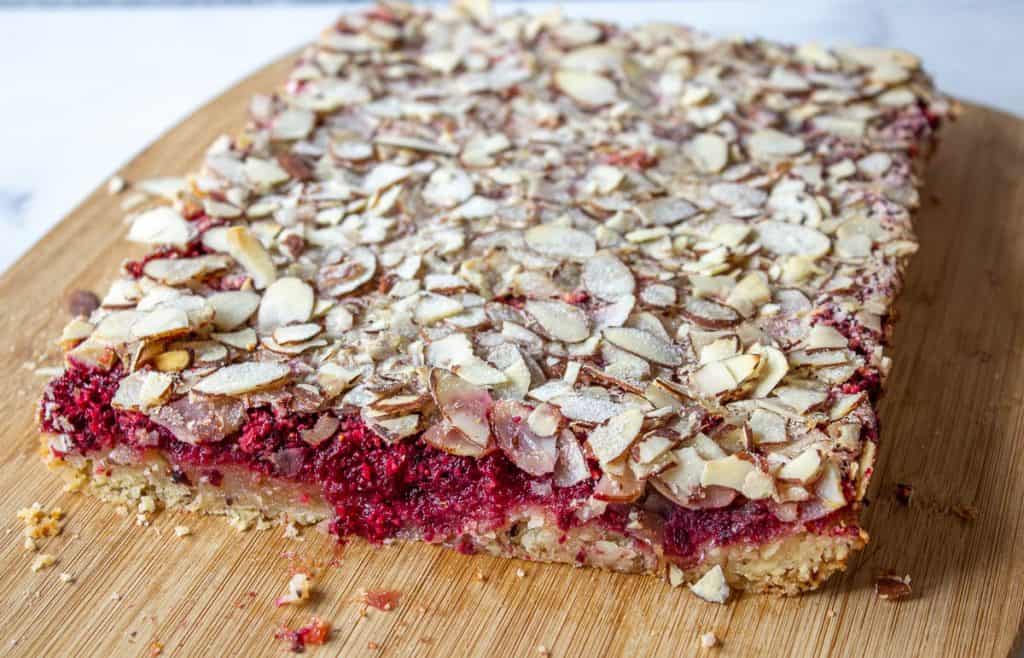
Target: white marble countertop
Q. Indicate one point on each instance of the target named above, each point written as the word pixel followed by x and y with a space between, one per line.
pixel 85 89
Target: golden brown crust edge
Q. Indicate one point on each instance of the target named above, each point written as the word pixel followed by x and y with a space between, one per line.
pixel 789 565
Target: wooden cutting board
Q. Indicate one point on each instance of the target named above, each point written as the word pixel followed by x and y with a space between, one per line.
pixel 953 421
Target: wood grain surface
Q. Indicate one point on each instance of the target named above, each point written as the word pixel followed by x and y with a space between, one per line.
pixel 953 424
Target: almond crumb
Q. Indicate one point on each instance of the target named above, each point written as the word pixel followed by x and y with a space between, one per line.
pixel 182 531
pixel 543 650
pixel 42 561
pixel 299 589
pixel 65 577
pixel 708 640
pixel 890 587
pixel 712 586
pixel 520 573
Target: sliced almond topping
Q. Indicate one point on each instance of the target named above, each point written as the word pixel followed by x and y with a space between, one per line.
pixel 243 339
pixel 822 336
pixel 358 267
pixel 531 453
pixel 587 89
pixel 232 308
pixel 161 323
pixel 774 367
pixel 612 439
pixel 709 314
pixel 560 242
pixel 477 371
pixel 709 152
pixel 607 277
pixel 293 123
pixel 803 468
pixel 250 254
pixel 155 389
pixel 644 344
pixel 296 333
pixel 172 361
pixel 769 144
pixel 544 420
pixel 434 308
pixel 560 320
pixel 767 427
pixel 788 239
pixel 830 487
pixel 464 405
pixel 728 472
pixel 243 378
pixel 288 300
pixel 161 225
pixel 571 465
pixel 448 188
pixel 179 271
pixel 445 436
pixel 666 211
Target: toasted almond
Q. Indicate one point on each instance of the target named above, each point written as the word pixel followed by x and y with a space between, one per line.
pixel 358 267
pixel 172 361
pixel 434 308
pixel 666 211
pixel 179 271
pixel 250 254
pixel 774 368
pixel 464 405
pixel 767 427
pixel 448 187
pixel 242 378
pixel 161 225
pixel 544 420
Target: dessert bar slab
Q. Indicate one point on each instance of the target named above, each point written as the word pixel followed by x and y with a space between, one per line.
pixel 533 286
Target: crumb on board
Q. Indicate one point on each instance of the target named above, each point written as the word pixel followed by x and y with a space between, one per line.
pixel 65 577
pixel 42 561
pixel 115 185
pixel 543 650
pixel 299 589
pixel 520 573
pixel 708 640
pixel 182 531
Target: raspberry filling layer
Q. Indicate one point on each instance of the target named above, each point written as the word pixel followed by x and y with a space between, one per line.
pixel 381 490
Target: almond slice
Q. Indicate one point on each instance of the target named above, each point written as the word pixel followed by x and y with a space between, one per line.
pixel 666 211
pixel 448 187
pixel 288 300
pixel 560 242
pixel 768 144
pixel 708 151
pixel 243 339
pixel 292 124
pixel 587 89
pixel 606 277
pixel 180 271
pixel 644 344
pixel 559 320
pixel 788 239
pixel 296 333
pixel 162 225
pixel 232 308
pixel 243 246
pixel 531 453
pixel 358 267
pixel 774 367
pixel 434 308
pixel 464 405
pixel 803 468
pixel 161 323
pixel 710 314
pixel 243 378
pixel 712 586
pixel 767 427
pixel 611 440
pixel 571 465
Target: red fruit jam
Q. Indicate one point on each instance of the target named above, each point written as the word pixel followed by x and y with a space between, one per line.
pixel 379 490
